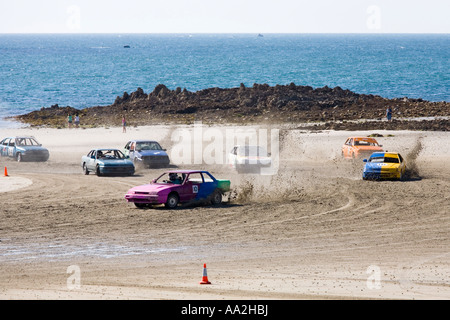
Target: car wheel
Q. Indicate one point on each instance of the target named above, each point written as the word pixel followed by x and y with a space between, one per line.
pixel 85 169
pixel 172 201
pixel 19 157
pixel 216 197
pixel 97 171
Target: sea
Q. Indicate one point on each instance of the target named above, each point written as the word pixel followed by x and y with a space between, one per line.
pixel 86 70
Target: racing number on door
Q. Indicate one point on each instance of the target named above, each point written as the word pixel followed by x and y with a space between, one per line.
pixel 195 188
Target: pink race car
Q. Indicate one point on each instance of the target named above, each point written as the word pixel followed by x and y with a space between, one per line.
pixel 179 186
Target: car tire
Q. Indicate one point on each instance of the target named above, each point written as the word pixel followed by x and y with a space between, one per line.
pixel 19 157
pixel 85 169
pixel 172 201
pixel 97 171
pixel 216 197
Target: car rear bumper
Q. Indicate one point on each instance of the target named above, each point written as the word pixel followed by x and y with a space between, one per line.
pixel 155 160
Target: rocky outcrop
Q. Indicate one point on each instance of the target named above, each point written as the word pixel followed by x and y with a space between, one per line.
pixel 419 125
pixel 259 103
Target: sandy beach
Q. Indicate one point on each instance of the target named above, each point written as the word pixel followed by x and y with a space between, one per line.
pixel 312 230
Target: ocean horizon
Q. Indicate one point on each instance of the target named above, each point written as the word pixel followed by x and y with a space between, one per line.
pixel 86 70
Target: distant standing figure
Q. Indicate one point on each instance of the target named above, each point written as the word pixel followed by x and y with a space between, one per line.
pixel 69 120
pixel 389 113
pixel 124 124
pixel 77 120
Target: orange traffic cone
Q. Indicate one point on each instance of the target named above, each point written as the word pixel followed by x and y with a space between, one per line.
pixel 205 276
pixel 6 172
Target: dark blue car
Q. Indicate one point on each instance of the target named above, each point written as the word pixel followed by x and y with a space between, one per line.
pixel 148 153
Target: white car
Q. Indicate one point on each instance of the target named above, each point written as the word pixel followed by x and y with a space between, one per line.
pixel 249 158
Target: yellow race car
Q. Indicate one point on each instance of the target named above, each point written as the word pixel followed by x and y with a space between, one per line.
pixel 384 165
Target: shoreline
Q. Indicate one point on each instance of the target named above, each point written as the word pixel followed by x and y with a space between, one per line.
pixel 439 123
pixel 9 122
pixel 261 103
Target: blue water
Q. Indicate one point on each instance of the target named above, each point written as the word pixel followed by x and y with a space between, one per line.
pixel 89 70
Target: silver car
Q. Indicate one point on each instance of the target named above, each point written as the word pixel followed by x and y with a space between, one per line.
pixel 23 149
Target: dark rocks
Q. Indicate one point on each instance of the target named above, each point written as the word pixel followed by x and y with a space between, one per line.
pixel 420 125
pixel 280 103
pixel 138 94
pixel 187 110
pixel 160 91
pixel 118 100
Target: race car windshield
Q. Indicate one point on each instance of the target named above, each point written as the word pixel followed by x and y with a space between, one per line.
pixel 110 154
pixel 384 159
pixel 252 151
pixel 172 177
pixel 148 146
pixel 27 142
pixel 391 160
pixel 365 143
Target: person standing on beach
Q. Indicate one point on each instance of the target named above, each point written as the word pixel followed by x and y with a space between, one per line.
pixel 124 124
pixel 389 113
pixel 69 120
pixel 77 120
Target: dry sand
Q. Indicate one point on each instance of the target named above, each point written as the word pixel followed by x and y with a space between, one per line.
pixel 314 230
